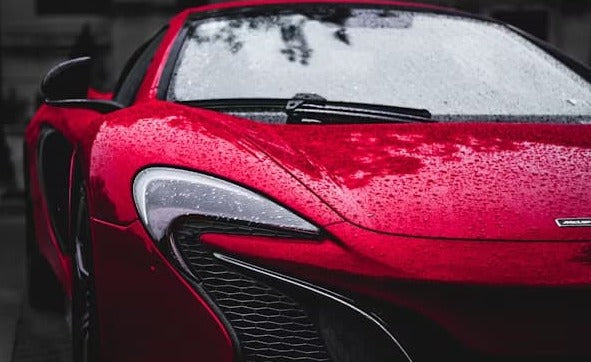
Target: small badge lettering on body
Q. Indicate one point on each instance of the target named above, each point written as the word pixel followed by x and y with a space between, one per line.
pixel 574 222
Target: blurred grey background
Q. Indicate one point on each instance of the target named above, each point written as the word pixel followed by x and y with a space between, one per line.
pixel 37 34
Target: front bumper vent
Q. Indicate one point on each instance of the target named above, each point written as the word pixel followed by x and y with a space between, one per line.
pixel 273 317
pixel 269 325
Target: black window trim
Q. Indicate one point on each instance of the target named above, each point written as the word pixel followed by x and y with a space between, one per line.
pixel 171 62
pixel 131 63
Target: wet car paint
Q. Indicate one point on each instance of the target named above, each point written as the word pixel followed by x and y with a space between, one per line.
pixel 413 207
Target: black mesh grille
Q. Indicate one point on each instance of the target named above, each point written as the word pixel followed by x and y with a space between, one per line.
pixel 270 325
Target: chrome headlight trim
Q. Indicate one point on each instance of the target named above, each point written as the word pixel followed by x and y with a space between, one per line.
pixel 162 194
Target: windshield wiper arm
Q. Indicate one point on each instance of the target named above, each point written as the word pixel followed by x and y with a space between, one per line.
pixel 312 108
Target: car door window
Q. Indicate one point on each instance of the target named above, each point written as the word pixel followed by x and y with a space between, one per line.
pixel 133 73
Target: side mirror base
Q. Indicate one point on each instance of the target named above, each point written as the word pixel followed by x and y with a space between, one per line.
pixel 99 105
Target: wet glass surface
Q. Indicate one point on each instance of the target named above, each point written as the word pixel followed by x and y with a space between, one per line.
pixel 446 64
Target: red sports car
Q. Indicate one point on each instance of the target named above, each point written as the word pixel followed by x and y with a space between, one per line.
pixel 318 181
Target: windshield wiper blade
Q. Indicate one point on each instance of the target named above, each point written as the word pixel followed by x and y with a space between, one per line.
pixel 312 108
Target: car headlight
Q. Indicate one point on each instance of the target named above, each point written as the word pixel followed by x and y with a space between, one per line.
pixel 163 194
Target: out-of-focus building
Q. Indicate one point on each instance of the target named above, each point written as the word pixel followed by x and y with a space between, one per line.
pixel 37 34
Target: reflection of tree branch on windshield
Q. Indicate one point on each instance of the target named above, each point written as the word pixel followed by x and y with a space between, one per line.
pixel 296 45
pixel 342 35
pixel 337 16
pixel 226 34
pixel 291 29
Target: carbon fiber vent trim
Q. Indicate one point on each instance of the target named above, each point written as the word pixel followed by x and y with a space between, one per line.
pixel 270 325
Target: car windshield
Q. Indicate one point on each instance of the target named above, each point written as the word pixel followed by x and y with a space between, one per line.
pixel 452 66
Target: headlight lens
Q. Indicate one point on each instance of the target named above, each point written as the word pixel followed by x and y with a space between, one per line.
pixel 162 194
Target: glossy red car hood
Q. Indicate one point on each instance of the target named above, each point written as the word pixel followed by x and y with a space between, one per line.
pixel 455 180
